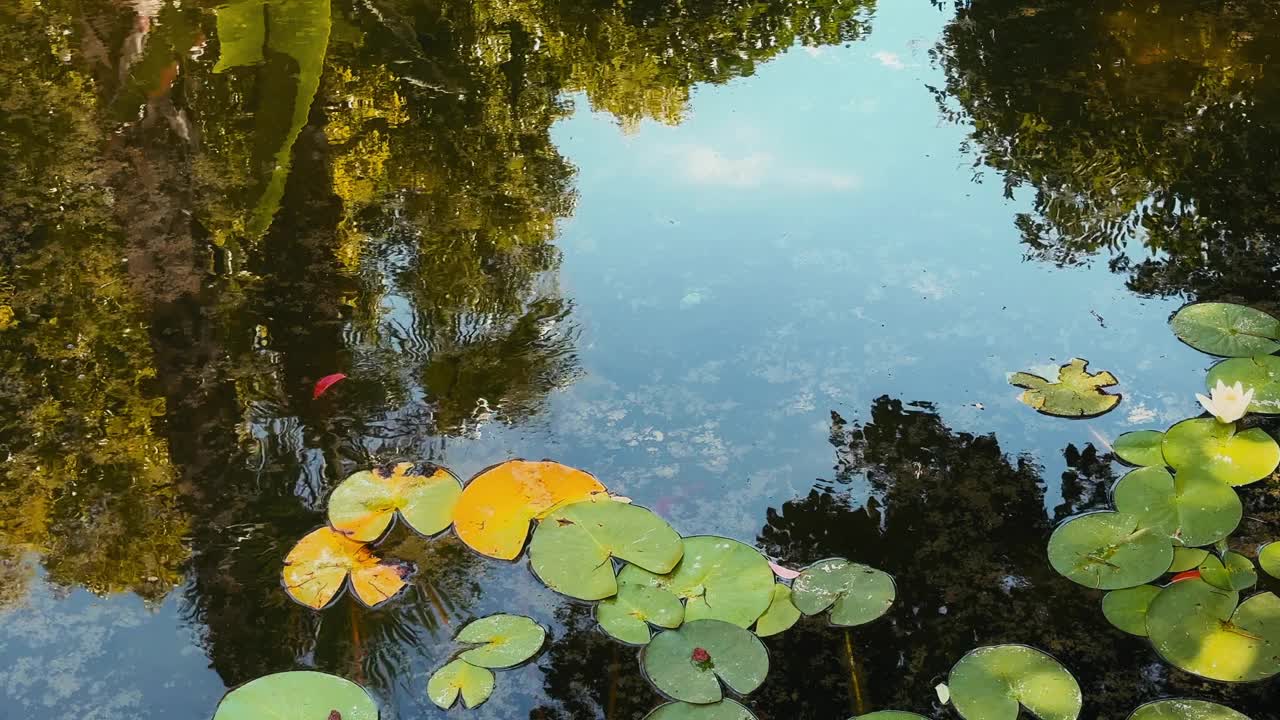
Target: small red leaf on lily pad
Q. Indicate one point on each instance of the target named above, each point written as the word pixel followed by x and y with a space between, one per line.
pixel 325 383
pixel 1188 575
pixel 785 573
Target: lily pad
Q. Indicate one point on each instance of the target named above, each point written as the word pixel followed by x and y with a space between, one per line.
pixel 890 715
pixel 1127 608
pixel 493 514
pixel 296 694
pixel 1185 558
pixel 1180 709
pixel 856 594
pixel 718 578
pixel 505 641
pixel 1269 559
pixel 1227 329
pixel 689 664
pixel 628 615
pixel 460 677
pixel 991 682
pixel 1141 448
pixel 781 615
pixel 571 548
pixel 1215 449
pixel 1198 628
pixel 1261 373
pixel 724 710
pixel 363 505
pixel 317 568
pixel 1233 572
pixel 1193 508
pixel 1076 394
pixel 1109 551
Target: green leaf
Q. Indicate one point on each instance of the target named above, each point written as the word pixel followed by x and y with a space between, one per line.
pixel 890 715
pixel 1269 559
pixel 1109 551
pixel 300 693
pixel 1076 394
pixel 1127 608
pixel 571 547
pixel 781 615
pixel 718 578
pixel 1261 373
pixel 1181 709
pixel 363 505
pixel 736 657
pixel 628 615
pixel 505 640
pixel 1198 628
pixel 1215 449
pixel 1192 508
pixel 991 682
pixel 475 684
pixel 1185 558
pixel 856 594
pixel 1233 572
pixel 1227 329
pixel 1141 448
pixel 242 33
pixel 723 710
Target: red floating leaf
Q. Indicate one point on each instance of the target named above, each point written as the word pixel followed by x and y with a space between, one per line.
pixel 785 573
pixel 325 383
pixel 1188 575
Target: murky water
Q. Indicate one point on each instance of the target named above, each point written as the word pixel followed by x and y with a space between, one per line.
pixel 760 266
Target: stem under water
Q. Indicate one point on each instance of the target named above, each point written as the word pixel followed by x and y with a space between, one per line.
pixel 855 676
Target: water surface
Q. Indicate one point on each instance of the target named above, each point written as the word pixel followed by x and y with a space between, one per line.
pixel 763 267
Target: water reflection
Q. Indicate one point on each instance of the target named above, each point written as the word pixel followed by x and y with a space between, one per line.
pixel 1150 123
pixel 207 208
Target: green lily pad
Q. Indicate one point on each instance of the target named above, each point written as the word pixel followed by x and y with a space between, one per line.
pixel 363 505
pixel 1198 628
pixel 628 615
pixel 1180 709
pixel 1109 551
pixel 1227 329
pixel 1269 559
pixel 856 594
pixel 780 616
pixel 718 578
pixel 689 664
pixel 1185 558
pixel 1141 448
pixel 459 677
pixel 1261 373
pixel 724 710
pixel 890 715
pixel 504 640
pixel 1192 508
pixel 1215 449
pixel 1233 572
pixel 1076 394
pixel 1127 608
pixel 571 547
pixel 300 693
pixel 990 683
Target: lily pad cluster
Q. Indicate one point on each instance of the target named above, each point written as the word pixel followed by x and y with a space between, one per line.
pixel 1163 552
pixel 708 599
pixel 497 642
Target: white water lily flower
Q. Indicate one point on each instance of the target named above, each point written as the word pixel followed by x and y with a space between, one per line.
pixel 1228 403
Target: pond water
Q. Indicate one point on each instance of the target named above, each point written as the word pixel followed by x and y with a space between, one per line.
pixel 763 267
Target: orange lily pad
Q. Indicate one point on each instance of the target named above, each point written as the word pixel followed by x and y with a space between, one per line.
pixel 496 507
pixel 317 568
pixel 363 505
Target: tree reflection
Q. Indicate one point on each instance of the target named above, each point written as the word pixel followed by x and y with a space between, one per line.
pixel 1153 125
pixel 963 529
